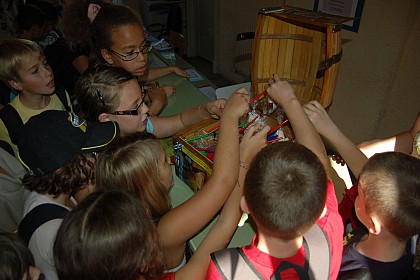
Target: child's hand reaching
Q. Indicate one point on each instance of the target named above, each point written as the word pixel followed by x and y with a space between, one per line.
pixel 180 72
pixel 238 104
pixel 319 117
pixel 279 91
pixel 252 143
pixel 158 100
pixel 215 108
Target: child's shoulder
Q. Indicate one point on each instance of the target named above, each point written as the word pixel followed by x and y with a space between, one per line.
pixel 354 263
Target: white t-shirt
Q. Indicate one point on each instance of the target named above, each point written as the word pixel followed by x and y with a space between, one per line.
pixel 42 241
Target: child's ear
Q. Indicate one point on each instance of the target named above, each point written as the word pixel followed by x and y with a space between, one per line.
pixel 244 206
pixel 93 10
pixel 107 56
pixel 16 85
pixel 374 226
pixel 104 117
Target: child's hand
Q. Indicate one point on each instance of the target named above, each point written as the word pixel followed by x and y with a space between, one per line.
pixel 214 108
pixel 180 72
pixel 318 116
pixel 169 90
pixel 238 103
pixel 279 91
pixel 252 143
pixel 158 97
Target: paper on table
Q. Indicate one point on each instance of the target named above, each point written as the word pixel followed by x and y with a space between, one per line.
pixel 225 92
pixel 194 75
pixel 209 92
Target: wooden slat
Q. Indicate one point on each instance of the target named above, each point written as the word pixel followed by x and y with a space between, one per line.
pixel 313 67
pixel 276 43
pixel 294 50
pixel 331 74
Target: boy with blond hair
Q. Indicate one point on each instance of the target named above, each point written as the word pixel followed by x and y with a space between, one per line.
pixel 289 195
pixel 387 204
pixel 27 72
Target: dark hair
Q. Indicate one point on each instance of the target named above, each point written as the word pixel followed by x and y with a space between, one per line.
pixel 15 257
pixel 68 179
pixel 109 18
pixel 391 184
pixel 76 25
pixel 132 164
pixel 99 90
pixel 285 189
pixel 29 16
pixel 51 13
pixel 108 236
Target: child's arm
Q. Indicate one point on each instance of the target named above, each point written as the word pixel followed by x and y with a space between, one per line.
pixel 169 125
pixel 184 221
pixel 155 73
pixel 221 233
pixel 158 101
pixel 354 158
pixel 402 142
pixel 282 93
pixel 159 98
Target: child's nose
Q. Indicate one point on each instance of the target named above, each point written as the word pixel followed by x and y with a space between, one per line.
pixel 48 72
pixel 144 109
pixel 141 57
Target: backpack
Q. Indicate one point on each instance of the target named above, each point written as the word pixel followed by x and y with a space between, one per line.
pixel 232 264
pixel 37 217
pixel 13 122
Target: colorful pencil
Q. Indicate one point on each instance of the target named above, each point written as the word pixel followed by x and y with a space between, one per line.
pixel 257 97
pixel 278 126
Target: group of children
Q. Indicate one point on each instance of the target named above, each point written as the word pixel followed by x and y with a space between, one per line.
pixel 98 204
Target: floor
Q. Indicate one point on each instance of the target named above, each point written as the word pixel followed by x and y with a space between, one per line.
pixel 205 68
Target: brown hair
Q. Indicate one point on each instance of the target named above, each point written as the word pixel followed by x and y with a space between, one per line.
pixel 12 53
pixel 15 257
pixel 391 184
pixel 285 189
pixel 108 236
pixel 68 179
pixel 76 25
pixel 132 164
pixel 99 89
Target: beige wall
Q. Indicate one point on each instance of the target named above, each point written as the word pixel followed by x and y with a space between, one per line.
pixel 378 87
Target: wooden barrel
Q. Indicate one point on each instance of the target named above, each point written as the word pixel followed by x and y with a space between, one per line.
pixel 302 47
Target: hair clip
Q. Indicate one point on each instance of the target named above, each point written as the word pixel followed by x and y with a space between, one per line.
pixel 98 93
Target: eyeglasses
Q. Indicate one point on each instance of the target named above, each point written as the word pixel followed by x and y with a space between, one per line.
pixel 133 112
pixel 147 47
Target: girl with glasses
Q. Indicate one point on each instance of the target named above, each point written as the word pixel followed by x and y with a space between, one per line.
pixel 117 39
pixel 108 93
